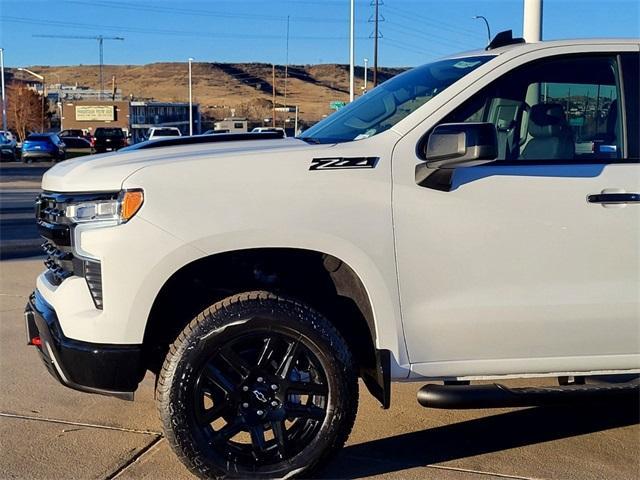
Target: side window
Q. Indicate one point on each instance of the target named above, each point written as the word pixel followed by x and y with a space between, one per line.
pixel 564 108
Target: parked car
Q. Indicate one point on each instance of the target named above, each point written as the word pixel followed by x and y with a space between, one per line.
pixel 39 146
pixel 157 132
pixel 109 138
pixel 77 133
pixel 7 147
pixel 78 146
pixel 9 135
pixel 439 229
pixel 270 129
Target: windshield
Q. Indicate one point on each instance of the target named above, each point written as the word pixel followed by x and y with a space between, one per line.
pixel 392 101
pixel 109 132
pixel 165 132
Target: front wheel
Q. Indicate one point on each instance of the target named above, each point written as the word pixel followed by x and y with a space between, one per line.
pixel 257 386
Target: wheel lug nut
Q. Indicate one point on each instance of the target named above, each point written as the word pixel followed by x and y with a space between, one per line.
pixel 245 389
pixel 245 405
pixel 260 412
pixel 274 387
pixel 260 379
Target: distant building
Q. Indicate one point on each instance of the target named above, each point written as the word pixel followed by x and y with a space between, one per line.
pixel 132 116
pixel 144 115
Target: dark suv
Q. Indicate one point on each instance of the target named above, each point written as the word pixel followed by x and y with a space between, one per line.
pixel 109 139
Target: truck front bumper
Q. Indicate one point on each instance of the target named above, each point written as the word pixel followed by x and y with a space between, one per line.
pixel 114 370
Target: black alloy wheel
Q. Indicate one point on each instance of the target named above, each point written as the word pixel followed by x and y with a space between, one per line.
pixel 257 386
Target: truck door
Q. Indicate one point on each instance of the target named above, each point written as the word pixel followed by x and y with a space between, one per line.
pixel 530 263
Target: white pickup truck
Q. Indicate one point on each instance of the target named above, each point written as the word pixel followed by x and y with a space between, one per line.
pixel 442 228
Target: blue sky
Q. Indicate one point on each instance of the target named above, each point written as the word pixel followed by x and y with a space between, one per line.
pixel 414 31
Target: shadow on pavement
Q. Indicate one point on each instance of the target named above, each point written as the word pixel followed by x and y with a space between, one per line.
pixel 479 436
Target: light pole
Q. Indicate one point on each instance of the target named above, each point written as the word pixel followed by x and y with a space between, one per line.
pixel 486 22
pixel 44 89
pixel 190 101
pixel 4 100
pixel 366 67
pixel 351 52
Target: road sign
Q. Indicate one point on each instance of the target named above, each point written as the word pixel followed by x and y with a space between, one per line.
pixel 336 105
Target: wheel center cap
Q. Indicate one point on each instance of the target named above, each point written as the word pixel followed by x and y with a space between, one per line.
pixel 261 397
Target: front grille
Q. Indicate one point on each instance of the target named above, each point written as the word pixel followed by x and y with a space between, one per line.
pixel 57 230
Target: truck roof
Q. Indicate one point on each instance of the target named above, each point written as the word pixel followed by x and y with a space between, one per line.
pixel 547 44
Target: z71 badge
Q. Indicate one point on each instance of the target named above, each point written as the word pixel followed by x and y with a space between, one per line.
pixel 341 163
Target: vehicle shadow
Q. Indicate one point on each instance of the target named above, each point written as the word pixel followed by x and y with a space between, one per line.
pixel 479 436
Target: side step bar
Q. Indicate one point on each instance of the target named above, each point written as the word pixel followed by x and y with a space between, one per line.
pixel 498 396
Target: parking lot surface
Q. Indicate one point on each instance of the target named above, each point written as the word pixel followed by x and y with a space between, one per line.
pixel 48 431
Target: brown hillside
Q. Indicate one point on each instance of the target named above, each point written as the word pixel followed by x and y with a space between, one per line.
pixel 218 87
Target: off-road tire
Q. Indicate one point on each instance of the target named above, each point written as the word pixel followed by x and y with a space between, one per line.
pixel 227 321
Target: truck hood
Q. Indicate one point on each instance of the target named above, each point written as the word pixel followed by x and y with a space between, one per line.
pixel 108 171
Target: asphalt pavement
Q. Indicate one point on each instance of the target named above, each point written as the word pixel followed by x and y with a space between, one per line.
pixel 19 186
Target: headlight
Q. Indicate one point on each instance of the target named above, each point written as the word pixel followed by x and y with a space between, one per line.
pixel 118 210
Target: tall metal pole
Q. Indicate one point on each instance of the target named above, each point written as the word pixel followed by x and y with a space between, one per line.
pixel 4 99
pixel 286 75
pixel 532 21
pixel 375 46
pixel 44 99
pixel 190 101
pixel 273 92
pixel 352 52
pixel 366 68
pixel 100 39
pixel 295 131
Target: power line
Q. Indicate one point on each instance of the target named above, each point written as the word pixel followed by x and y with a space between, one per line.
pixel 200 13
pixel 175 33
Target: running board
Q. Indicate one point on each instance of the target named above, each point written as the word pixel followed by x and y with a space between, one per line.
pixel 498 396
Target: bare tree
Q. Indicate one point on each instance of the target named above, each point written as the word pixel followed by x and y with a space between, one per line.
pixel 24 110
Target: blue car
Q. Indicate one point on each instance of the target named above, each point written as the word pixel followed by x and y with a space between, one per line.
pixel 43 146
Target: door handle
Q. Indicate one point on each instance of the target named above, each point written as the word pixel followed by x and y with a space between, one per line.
pixel 614 198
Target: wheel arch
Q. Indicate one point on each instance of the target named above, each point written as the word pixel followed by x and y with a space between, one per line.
pixel 327 283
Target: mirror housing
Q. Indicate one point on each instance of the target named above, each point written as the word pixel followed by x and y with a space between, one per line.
pixel 453 145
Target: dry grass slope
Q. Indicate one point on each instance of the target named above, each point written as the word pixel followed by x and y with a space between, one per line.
pixel 247 87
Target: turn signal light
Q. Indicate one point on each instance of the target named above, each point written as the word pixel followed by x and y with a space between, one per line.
pixel 131 202
pixel 37 341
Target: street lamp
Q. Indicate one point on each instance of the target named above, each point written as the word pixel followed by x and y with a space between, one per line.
pixel 44 89
pixel 190 101
pixel 487 24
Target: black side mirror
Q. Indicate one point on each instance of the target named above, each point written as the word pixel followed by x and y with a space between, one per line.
pixel 453 145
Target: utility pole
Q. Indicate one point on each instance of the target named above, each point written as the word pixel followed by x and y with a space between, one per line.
pixel 351 52
pixel 4 99
pixel 376 35
pixel 190 101
pixel 100 39
pixel 273 91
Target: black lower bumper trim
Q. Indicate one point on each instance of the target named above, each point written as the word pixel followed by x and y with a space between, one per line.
pixel 500 396
pixel 114 370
